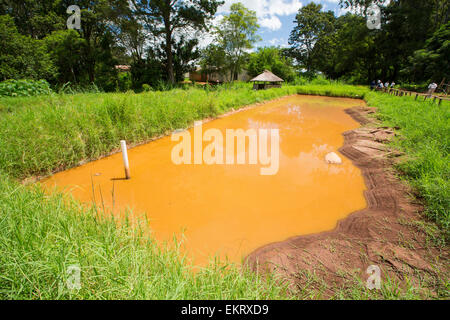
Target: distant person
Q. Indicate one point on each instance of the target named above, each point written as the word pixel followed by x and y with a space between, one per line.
pixel 373 85
pixel 380 85
pixel 392 84
pixel 432 88
pixel 386 85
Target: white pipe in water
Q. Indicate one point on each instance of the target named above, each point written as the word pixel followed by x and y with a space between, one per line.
pixel 123 145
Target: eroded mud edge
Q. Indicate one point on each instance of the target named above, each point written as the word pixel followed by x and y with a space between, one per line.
pixel 384 234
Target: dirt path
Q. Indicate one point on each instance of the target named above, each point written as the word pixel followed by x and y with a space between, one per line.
pixel 389 233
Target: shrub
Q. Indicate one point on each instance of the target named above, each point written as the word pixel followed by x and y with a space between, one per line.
pixel 73 88
pixel 124 82
pixel 24 88
pixel 146 87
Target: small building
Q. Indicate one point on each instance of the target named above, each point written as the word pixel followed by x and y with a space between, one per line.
pixel 123 68
pixel 266 80
pixel 200 75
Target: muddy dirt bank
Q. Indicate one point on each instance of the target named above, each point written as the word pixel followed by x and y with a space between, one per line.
pixel 389 233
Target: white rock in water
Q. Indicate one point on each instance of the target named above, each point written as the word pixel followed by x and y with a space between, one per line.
pixel 333 158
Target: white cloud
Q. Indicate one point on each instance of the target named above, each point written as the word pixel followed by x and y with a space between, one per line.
pixel 267 11
pixel 279 42
pixel 271 22
pixel 357 10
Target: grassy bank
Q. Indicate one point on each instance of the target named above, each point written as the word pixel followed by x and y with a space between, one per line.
pixel 41 235
pixel 73 128
pixel 425 140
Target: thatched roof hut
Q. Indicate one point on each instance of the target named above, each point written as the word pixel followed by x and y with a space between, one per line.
pixel 266 80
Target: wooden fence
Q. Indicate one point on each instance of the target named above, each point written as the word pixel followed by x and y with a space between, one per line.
pixel 401 93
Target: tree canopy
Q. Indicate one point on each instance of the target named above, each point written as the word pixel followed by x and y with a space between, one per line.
pixel 163 18
pixel 161 41
pixel 410 46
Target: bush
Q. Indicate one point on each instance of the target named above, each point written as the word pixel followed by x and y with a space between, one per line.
pixel 24 88
pixel 22 57
pixel 73 88
pixel 124 82
pixel 146 87
pixel 420 87
pixel 320 80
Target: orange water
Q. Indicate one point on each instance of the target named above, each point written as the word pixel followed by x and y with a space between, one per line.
pixel 231 210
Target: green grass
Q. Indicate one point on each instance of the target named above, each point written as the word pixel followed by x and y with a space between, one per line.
pixel 354 288
pixel 41 235
pixel 334 90
pixel 425 139
pixel 44 134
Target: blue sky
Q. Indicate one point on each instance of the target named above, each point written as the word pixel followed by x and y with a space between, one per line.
pixel 276 17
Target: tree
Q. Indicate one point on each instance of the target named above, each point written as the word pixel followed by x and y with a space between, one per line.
pixel 164 18
pixel 21 56
pixel 185 53
pixel 130 35
pixel 66 48
pixel 310 25
pixel 344 47
pixel 352 52
pixel 35 18
pixel 96 18
pixel 361 4
pixel 270 58
pixel 214 60
pixel 433 62
pixel 39 19
pixel 149 70
pixel 236 34
pixel 105 72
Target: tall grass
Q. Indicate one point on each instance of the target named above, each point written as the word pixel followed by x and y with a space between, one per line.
pixel 334 90
pixel 57 132
pixel 425 139
pixel 42 235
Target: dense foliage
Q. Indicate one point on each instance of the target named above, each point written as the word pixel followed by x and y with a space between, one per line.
pixel 35 43
pixel 235 34
pixel 411 45
pixel 24 88
pixel 160 41
pixel 22 56
pixel 271 59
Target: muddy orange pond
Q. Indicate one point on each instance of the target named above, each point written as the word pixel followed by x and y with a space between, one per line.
pixel 228 211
